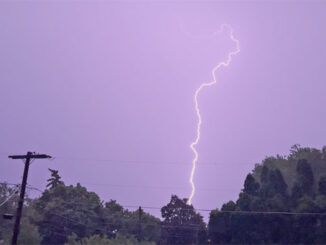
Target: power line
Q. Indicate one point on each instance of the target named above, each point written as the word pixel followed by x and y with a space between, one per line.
pixel 122 229
pixel 104 231
pixel 154 187
pixel 67 228
pixel 111 223
pixel 146 162
pixel 222 211
pixel 15 191
pixel 148 187
pixel 210 210
pixel 6 183
pixel 141 162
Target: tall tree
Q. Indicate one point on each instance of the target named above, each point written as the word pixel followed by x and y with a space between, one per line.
pixel 55 179
pixel 181 224
pixel 114 219
pixel 304 181
pixel 251 187
pixel 322 185
pixel 272 183
pixel 65 210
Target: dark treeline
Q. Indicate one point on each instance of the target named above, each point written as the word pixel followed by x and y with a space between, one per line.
pixel 283 201
pixel 295 186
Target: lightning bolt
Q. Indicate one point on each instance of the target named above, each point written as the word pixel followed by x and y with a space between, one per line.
pixel 203 85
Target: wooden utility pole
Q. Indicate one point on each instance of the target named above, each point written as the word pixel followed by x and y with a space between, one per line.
pixel 27 158
pixel 140 235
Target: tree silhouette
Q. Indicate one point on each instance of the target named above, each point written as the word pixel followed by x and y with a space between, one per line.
pixel 322 185
pixel 251 187
pixel 182 225
pixel 55 179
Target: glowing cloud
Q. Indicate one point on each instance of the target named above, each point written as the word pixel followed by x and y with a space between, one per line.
pixel 203 85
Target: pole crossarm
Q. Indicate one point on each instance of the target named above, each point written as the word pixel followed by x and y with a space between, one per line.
pixel 30 155
pixel 27 158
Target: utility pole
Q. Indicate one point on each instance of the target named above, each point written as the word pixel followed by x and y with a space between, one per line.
pixel 27 158
pixel 139 224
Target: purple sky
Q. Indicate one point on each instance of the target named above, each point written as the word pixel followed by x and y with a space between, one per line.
pixel 107 89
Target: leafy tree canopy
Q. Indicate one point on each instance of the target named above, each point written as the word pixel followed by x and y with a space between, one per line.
pixel 182 224
pixel 280 186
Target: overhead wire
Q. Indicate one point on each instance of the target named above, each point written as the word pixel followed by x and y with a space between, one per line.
pixel 220 211
pixel 104 231
pixel 153 187
pixel 135 162
pixel 185 226
pixel 15 191
pixel 150 162
pixel 149 187
pixel 203 209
